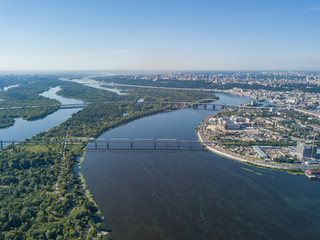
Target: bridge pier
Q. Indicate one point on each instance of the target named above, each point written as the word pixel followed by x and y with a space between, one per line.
pixel 213 107
pixel 205 106
pixel 164 144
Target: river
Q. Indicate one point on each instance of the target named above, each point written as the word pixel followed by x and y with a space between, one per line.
pixel 25 129
pixel 195 195
pixel 187 195
pixel 8 87
pixel 90 82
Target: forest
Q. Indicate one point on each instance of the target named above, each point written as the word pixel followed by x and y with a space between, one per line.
pixel 41 196
pixel 207 85
pixel 26 94
pixel 160 83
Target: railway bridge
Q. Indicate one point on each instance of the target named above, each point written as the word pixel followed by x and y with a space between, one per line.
pixel 121 144
pixel 205 103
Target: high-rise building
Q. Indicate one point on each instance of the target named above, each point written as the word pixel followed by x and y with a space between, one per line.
pixel 305 151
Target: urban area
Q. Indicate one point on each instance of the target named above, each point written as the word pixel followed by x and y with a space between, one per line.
pixel 278 128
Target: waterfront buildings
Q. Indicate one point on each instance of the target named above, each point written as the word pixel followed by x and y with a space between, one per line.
pixel 279 136
pixel 306 151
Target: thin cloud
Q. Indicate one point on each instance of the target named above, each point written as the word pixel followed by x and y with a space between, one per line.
pixel 96 54
pixel 271 13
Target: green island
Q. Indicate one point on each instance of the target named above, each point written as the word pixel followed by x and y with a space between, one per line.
pixel 26 94
pixel 41 196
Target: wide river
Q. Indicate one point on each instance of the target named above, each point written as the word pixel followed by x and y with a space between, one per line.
pixel 187 195
pixel 196 195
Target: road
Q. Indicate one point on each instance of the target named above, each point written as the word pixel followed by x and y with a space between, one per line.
pixel 213 148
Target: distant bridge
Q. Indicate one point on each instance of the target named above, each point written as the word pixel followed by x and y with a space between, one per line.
pixel 61 106
pixel 209 101
pixel 122 144
pixel 203 102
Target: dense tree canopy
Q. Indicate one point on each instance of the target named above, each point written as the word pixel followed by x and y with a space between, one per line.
pixel 41 196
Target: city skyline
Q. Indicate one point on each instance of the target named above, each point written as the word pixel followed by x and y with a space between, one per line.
pixel 159 35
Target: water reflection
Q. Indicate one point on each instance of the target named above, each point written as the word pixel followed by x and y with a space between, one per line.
pixel 25 129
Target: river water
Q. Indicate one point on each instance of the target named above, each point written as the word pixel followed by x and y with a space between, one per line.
pixel 187 195
pixel 25 129
pixel 195 195
pixel 89 82
pixel 8 87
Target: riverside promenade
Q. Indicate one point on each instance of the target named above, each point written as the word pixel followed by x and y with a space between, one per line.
pixel 220 151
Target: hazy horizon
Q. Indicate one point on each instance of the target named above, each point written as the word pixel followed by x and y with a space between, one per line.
pixel 138 72
pixel 159 35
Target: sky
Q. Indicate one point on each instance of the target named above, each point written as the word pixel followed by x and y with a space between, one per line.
pixel 159 35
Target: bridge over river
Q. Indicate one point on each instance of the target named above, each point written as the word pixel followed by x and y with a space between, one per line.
pixel 121 144
pixel 205 103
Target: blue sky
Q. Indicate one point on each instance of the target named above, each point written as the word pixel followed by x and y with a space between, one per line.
pixel 159 35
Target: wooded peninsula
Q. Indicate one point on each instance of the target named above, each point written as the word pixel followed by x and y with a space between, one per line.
pixel 41 196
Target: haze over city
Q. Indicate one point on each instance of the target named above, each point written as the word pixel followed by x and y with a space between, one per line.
pixel 158 119
pixel 159 35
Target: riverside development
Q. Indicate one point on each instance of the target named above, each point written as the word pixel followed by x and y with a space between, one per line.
pixel 154 194
pixel 275 138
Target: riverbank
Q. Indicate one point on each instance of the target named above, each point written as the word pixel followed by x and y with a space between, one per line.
pixel 222 152
pixel 72 203
pixel 159 194
pixel 22 129
pixel 167 88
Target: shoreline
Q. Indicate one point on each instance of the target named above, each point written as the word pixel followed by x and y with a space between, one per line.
pixel 168 88
pixel 274 166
